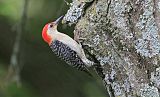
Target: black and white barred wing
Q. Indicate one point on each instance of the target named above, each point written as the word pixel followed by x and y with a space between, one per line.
pixel 68 55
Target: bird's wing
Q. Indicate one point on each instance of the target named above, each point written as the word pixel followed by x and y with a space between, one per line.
pixel 71 43
pixel 67 54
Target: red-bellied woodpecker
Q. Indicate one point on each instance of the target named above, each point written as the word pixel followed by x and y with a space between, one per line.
pixel 65 47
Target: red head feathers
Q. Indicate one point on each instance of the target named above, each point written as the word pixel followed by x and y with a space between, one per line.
pixel 45 36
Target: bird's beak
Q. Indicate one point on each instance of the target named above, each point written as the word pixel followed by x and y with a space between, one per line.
pixel 57 21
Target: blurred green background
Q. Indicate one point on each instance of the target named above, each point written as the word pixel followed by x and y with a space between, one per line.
pixel 41 74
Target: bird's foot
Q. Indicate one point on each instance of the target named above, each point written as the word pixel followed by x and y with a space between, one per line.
pixel 78 38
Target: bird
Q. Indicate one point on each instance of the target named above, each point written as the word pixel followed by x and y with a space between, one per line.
pixel 65 47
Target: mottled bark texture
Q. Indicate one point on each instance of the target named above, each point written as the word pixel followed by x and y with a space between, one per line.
pixel 125 37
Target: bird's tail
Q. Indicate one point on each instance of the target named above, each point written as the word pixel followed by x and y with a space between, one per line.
pixel 99 70
pixel 87 71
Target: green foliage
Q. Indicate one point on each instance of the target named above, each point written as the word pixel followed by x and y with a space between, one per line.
pixel 11 8
pixel 11 89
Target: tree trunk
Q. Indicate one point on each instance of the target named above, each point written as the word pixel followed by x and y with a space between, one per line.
pixel 15 66
pixel 125 37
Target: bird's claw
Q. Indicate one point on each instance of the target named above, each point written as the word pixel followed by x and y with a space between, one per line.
pixel 77 37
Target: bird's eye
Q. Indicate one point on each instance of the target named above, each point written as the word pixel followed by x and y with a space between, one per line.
pixel 51 26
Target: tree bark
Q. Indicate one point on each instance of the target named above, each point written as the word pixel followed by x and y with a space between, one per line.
pixel 125 37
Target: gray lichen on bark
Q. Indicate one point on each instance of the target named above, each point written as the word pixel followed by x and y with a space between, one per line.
pixel 124 36
pixel 76 11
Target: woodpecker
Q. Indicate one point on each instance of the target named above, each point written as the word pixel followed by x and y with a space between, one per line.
pixel 65 47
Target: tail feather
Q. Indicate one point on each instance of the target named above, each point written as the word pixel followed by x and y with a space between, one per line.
pixel 99 70
pixel 87 71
